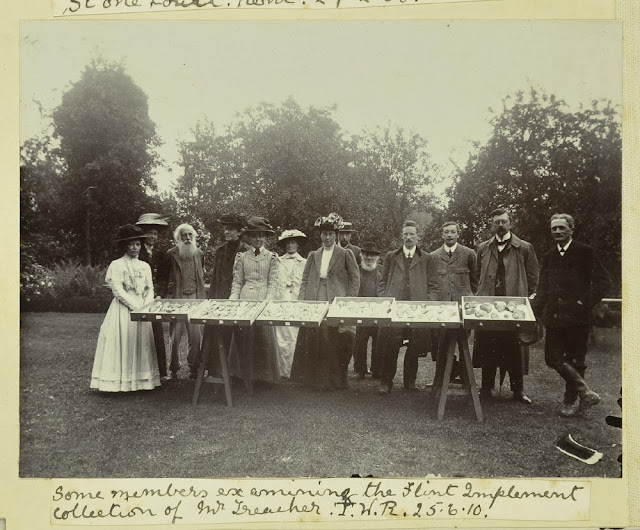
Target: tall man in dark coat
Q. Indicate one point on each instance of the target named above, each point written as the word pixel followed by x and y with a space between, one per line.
pixel 221 280
pixel 407 274
pixel 572 282
pixel 455 266
pixel 345 240
pixel 153 224
pixel 186 281
pixel 506 266
pixel 370 275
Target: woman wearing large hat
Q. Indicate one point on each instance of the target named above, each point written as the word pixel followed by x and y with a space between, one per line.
pixel 256 275
pixel 291 268
pixel 322 356
pixel 125 358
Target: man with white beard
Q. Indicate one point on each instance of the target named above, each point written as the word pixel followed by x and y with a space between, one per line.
pixel 186 281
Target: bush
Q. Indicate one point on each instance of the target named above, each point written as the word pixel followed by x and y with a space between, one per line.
pixel 65 287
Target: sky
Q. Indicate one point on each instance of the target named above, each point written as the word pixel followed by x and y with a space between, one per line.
pixel 436 78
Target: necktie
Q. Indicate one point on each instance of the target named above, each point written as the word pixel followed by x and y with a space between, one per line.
pixel 562 251
pixel 450 253
pixel 256 251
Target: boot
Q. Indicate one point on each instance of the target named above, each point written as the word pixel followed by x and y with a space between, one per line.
pixel 588 397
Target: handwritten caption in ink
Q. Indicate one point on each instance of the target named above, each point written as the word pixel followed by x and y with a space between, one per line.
pixel 184 501
pixel 98 7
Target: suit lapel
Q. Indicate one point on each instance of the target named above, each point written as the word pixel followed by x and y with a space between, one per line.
pixel 400 260
pixel 455 255
pixel 318 259
pixel 416 259
pixel 334 258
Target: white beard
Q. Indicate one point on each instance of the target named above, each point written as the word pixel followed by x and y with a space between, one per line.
pixel 368 268
pixel 186 251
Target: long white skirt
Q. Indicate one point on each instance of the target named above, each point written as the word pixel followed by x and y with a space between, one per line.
pixel 286 339
pixel 125 355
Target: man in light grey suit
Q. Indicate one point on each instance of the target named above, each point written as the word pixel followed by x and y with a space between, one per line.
pixel 455 267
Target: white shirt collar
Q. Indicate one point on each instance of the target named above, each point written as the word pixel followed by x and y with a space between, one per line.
pixel 286 255
pixel 330 249
pixel 565 247
pixel 452 249
pixel 506 237
pixel 408 253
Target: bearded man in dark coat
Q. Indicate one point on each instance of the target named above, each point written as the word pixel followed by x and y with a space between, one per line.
pixel 220 287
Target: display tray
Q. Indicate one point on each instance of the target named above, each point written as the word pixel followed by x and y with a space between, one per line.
pixel 364 311
pixel 301 313
pixel 166 309
pixel 497 312
pixel 228 312
pixel 415 314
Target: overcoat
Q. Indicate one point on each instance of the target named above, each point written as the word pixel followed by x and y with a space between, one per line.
pixel 343 277
pixel 570 286
pixel 521 268
pixel 456 275
pixel 159 268
pixel 222 271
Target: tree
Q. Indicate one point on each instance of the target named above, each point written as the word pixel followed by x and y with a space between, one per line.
pixel 291 165
pixel 543 158
pixel 108 142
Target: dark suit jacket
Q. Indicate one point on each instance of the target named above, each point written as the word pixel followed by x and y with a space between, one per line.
pixel 174 286
pixel 222 273
pixel 357 252
pixel 343 278
pixel 369 282
pixel 570 286
pixel 422 275
pixel 456 276
pixel 159 269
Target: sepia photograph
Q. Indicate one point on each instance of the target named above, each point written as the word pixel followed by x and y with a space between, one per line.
pixel 320 249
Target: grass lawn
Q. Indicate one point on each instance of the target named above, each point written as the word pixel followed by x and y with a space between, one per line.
pixel 68 430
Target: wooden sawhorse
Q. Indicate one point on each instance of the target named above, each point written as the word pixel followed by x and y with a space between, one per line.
pixel 440 389
pixel 225 379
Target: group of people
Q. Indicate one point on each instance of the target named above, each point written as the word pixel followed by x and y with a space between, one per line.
pixel 563 288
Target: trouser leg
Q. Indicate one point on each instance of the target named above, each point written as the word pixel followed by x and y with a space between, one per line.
pixel 392 344
pixel 360 351
pixel 489 375
pixel 376 353
pixel 193 356
pixel 158 339
pixel 175 331
pixel 516 374
pixel 410 365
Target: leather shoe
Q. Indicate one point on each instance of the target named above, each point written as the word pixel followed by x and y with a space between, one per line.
pixel 521 397
pixel 569 409
pixel 410 387
pixel 589 399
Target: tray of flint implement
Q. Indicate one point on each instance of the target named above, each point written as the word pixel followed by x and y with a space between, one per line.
pixel 167 310
pixel 361 311
pixel 497 313
pixel 227 312
pixel 424 314
pixel 294 313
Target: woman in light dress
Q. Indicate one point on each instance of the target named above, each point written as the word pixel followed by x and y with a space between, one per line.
pixel 291 268
pixel 256 276
pixel 125 358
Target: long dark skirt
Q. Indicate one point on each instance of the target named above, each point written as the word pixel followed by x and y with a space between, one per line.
pixel 321 359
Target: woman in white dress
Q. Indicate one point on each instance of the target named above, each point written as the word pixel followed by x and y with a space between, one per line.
pixel 125 357
pixel 291 268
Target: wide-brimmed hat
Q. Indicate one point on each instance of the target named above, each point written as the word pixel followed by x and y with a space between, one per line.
pixel 129 232
pixel 234 219
pixel 531 335
pixel 331 222
pixel 347 227
pixel 258 224
pixel 369 248
pixel 291 234
pixel 147 220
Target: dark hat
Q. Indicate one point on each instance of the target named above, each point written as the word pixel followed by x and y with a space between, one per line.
pixel 129 232
pixel 291 234
pixel 155 220
pixel 258 224
pixel 347 227
pixel 531 335
pixel 234 219
pixel 369 248
pixel 331 222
